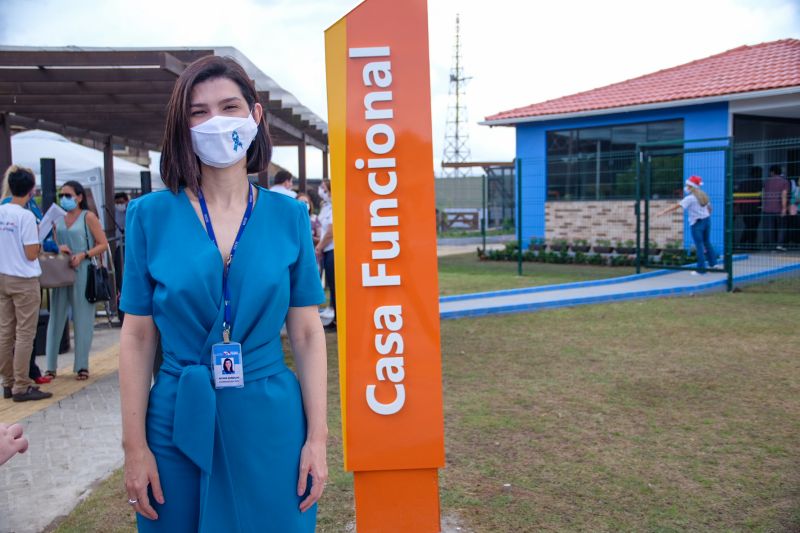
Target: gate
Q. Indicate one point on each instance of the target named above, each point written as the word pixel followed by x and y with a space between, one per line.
pixel 665 242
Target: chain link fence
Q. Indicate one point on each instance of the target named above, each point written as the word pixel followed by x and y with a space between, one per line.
pixel 619 208
pixel 473 205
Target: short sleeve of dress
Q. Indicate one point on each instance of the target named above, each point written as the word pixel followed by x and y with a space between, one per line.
pixel 137 285
pixel 306 288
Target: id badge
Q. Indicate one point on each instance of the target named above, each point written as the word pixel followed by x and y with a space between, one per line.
pixel 226 358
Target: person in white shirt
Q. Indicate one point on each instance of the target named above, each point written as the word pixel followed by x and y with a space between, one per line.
pixel 20 295
pixel 324 247
pixel 698 208
pixel 282 184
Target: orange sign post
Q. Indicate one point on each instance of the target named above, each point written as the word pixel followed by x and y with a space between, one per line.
pixel 379 125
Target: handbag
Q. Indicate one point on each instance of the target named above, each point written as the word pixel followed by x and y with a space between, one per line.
pixel 56 270
pixel 98 282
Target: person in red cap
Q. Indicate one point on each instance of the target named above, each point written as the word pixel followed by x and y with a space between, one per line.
pixel 698 206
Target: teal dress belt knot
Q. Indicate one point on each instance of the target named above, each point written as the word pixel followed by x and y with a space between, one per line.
pixel 195 418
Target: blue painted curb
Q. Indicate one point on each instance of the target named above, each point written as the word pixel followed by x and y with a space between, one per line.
pixel 766 273
pixel 572 302
pixel 564 286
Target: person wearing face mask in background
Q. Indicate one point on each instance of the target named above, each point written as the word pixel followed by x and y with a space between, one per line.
pixel 698 206
pixel 216 265
pixel 80 235
pixel 324 251
pixel 121 200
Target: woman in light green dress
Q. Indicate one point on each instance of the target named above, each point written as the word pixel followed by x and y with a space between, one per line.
pixel 79 234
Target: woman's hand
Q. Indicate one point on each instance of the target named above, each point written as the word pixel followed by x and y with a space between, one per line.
pixel 140 472
pixel 76 259
pixel 312 461
pixel 64 249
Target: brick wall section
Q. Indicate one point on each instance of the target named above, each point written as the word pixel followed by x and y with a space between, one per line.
pixel 610 220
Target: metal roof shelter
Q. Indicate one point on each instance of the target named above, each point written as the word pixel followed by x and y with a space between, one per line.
pixel 118 96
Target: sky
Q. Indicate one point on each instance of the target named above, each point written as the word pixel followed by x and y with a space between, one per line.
pixel 517 52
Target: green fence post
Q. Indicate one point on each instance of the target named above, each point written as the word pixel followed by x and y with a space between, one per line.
pixel 483 218
pixel 729 215
pixel 638 212
pixel 519 216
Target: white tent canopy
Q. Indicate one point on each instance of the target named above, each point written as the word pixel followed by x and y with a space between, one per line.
pixel 74 161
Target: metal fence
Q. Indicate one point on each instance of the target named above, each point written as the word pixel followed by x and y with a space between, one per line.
pixel 482 203
pixel 612 209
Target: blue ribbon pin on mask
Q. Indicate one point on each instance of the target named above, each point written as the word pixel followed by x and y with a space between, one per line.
pixel 236 142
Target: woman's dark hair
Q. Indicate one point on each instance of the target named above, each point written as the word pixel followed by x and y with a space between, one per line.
pixel 282 176
pixel 78 188
pixel 225 363
pixel 20 180
pixel 179 164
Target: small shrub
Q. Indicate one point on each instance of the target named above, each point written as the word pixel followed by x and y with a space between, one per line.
pixel 596 259
pixel 537 243
pixel 603 246
pixel 580 245
pixel 558 245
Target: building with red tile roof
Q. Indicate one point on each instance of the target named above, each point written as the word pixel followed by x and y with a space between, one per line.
pixel 766 69
pixel 581 157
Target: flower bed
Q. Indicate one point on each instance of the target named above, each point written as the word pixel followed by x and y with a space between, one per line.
pixel 578 253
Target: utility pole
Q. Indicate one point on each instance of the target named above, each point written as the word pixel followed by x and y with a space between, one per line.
pixel 456 136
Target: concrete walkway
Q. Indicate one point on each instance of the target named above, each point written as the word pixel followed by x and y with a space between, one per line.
pixel 74 441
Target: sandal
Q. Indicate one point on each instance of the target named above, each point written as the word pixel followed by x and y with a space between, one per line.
pixel 83 375
pixel 50 374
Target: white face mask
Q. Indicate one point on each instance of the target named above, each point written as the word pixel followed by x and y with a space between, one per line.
pixel 120 207
pixel 324 195
pixel 222 141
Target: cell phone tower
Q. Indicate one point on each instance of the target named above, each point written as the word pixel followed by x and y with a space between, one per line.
pixel 455 133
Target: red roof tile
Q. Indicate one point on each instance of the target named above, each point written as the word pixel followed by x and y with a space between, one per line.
pixel 771 65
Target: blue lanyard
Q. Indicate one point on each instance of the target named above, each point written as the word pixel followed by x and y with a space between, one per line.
pixel 226 290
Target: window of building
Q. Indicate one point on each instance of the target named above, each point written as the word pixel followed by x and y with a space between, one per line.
pixel 600 163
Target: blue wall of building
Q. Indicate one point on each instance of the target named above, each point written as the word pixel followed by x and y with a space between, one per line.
pixel 699 122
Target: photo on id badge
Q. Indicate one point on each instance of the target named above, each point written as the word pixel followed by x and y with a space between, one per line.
pixel 227 365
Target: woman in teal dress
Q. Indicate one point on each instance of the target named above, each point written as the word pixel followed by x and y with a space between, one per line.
pixel 80 235
pixel 214 259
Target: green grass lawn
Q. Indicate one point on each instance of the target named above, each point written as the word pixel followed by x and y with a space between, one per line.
pixel 660 415
pixel 464 273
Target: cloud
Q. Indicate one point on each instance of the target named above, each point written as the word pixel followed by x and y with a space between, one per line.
pixel 517 52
